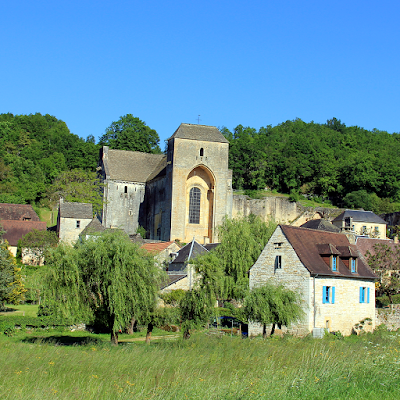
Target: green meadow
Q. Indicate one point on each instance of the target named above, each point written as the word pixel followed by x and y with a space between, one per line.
pixel 79 365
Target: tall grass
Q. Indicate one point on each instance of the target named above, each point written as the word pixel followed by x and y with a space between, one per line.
pixel 203 368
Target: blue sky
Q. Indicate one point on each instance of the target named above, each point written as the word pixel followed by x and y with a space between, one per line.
pixel 254 63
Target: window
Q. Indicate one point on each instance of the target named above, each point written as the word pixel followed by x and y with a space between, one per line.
pixel 194 205
pixel 353 265
pixel 278 262
pixel 334 263
pixel 364 295
pixel 364 230
pixel 126 189
pixel 78 224
pixel 377 230
pixel 328 294
pixel 201 152
pixel 278 245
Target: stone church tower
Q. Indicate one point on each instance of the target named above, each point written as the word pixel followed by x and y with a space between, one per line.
pixel 183 195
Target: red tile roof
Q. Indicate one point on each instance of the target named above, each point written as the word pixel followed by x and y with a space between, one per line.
pixel 307 244
pixel 367 244
pixel 156 247
pixel 16 229
pixel 17 212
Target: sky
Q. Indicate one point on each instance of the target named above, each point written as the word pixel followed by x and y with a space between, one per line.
pixel 217 62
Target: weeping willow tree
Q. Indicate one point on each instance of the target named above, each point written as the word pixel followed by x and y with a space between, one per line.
pixel 270 304
pixel 224 270
pixel 107 278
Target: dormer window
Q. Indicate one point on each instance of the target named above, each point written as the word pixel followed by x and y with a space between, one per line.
pixel 334 263
pixel 353 265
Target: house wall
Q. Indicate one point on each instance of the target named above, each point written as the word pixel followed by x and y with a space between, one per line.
pixel 369 229
pixel 343 315
pixel 123 210
pixel 68 232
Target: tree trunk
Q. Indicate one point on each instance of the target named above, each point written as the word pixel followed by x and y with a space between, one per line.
pixel 273 329
pixel 186 334
pixel 149 331
pixel 131 327
pixel 264 331
pixel 114 338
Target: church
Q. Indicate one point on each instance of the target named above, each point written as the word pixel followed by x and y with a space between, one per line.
pixel 183 195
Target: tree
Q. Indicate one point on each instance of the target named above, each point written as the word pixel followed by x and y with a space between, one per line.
pixel 6 274
pixel 130 133
pixel 108 279
pixel 270 304
pixel 384 260
pixel 36 243
pixel 77 185
pixel 224 270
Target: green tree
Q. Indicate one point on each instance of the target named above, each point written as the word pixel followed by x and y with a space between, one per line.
pixel 7 266
pixel 77 185
pixel 270 304
pixel 109 279
pixel 384 260
pixel 130 133
pixel 224 270
pixel 37 243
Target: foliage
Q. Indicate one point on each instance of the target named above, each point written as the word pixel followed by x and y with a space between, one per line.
pixel 7 274
pixel 196 310
pixel 224 270
pixel 79 186
pixel 130 133
pixel 173 298
pixel 109 279
pixel 385 262
pixel 270 304
pixel 37 243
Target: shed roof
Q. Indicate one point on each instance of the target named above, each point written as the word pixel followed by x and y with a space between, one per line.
pixel 94 227
pixel 306 243
pixel 171 279
pixel 360 216
pixel 199 132
pixel 156 247
pixel 15 230
pixel 133 166
pixel 76 210
pixel 17 212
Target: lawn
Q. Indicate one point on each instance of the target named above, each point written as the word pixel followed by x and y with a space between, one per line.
pixel 26 310
pixel 39 365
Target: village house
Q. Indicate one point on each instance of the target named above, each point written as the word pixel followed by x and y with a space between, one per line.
pixel 336 285
pixel 17 220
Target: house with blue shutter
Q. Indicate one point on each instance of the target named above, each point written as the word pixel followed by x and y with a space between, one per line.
pixel 336 284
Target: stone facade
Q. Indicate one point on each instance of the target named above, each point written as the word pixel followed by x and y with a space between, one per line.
pixel 343 314
pixel 389 317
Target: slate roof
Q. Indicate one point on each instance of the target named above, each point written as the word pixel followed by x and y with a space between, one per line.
pixel 172 279
pixel 307 245
pixel 133 166
pixel 360 216
pixel 16 229
pixel 199 132
pixel 186 251
pixel 76 210
pixel 321 224
pixel 94 227
pixel 17 212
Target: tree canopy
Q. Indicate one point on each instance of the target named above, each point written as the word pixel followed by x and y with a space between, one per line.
pixel 108 279
pixel 271 304
pixel 130 133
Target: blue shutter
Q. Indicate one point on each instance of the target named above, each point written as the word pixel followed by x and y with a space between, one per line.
pixel 323 294
pixel 360 294
pixel 333 295
pixel 367 295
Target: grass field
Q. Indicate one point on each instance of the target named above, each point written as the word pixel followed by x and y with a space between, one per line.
pixel 26 310
pixel 37 366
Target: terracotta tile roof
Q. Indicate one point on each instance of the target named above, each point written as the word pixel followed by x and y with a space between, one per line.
pixel 360 216
pixel 17 212
pixel 306 242
pixel 16 229
pixel 156 247
pixel 133 166
pixel 367 244
pixel 76 210
pixel 199 132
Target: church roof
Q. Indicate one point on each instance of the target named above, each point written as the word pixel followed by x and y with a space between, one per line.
pixel 134 166
pixel 76 210
pixel 17 212
pixel 199 132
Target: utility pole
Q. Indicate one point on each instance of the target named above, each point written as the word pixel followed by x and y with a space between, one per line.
pixel 198 119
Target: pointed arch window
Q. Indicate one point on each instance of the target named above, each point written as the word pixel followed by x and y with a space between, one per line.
pixel 194 205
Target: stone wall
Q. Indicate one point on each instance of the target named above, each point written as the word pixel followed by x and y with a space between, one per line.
pixel 69 231
pixel 389 317
pixel 280 209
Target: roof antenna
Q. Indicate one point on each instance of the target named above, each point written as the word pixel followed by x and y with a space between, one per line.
pixel 198 119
